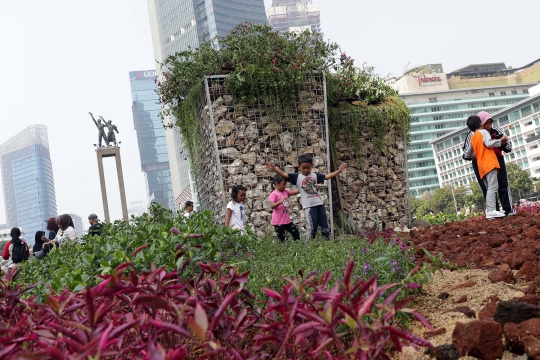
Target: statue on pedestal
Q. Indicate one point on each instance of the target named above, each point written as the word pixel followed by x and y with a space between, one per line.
pixel 101 128
pixel 111 138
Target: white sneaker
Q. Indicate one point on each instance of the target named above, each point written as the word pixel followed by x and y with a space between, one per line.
pixel 493 214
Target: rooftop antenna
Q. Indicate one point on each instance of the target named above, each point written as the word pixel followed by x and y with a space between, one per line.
pixel 406 67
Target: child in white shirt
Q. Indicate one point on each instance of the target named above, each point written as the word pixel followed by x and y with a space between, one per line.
pixel 235 215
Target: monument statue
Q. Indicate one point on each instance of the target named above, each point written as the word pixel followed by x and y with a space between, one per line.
pixel 101 124
pixel 101 128
pixel 111 138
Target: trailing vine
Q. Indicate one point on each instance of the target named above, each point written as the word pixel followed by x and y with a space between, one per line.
pixel 261 63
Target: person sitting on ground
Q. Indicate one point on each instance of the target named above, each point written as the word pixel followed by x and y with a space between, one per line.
pixel 189 209
pixel 488 166
pixel 16 250
pixel 66 230
pixel 96 227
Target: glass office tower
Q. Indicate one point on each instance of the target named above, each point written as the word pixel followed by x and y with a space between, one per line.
pixel 151 137
pixel 27 176
pixel 178 25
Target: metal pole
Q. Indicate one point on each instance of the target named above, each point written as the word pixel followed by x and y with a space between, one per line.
pixel 213 132
pixel 328 156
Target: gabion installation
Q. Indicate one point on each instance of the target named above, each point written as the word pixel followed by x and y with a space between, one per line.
pixel 236 140
pixel 372 191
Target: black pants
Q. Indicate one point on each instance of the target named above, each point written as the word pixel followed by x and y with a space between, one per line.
pixel 290 228
pixel 315 217
pixel 504 187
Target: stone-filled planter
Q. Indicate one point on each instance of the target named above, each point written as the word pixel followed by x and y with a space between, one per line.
pixel 235 140
pixel 373 189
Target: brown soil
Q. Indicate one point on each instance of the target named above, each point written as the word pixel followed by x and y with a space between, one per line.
pixel 508 244
pixel 438 311
pixel 484 244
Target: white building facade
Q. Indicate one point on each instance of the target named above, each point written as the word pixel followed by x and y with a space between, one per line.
pixel 294 16
pixel 520 122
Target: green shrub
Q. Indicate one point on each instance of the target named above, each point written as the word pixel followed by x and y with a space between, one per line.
pixel 443 218
pixel 76 265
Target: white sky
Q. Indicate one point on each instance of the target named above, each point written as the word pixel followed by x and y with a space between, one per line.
pixel 63 58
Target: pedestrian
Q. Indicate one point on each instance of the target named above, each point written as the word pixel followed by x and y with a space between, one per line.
pixel 52 226
pixel 235 215
pixel 306 180
pixel 505 195
pixel 66 230
pixel 482 149
pixel 279 202
pixel 96 227
pixel 38 249
pixel 189 209
pixel 16 250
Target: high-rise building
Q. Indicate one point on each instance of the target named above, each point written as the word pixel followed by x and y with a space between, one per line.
pixel 294 16
pixel 441 103
pixel 27 176
pixel 151 138
pixel 77 221
pixel 178 25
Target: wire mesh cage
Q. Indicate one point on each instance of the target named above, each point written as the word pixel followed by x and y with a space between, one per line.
pixel 372 193
pixel 236 139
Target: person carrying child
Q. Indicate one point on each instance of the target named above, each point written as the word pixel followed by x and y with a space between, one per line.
pixel 306 181
pixel 235 215
pixel 279 202
pixel 488 166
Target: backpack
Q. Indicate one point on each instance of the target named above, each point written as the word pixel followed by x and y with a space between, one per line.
pixel 18 253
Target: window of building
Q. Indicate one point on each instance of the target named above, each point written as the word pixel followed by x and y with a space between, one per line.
pixel 514 115
pixel 503 93
pixel 533 147
pixel 432 99
pixel 525 91
pixel 491 94
pixel 514 92
pixel 525 111
pixel 536 106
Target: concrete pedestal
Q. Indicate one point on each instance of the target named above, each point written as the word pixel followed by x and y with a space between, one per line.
pixel 108 152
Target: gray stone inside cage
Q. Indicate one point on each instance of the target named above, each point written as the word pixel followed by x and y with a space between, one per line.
pixel 236 140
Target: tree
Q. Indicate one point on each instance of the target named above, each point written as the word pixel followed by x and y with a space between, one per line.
pixel 521 183
pixel 477 198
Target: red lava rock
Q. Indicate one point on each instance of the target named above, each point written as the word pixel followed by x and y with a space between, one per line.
pixel 529 270
pixel 488 311
pixel 465 285
pixel 529 299
pixel 467 311
pixel 496 240
pixel 430 334
pixel 481 339
pixel 498 275
pixel 534 286
pixel 514 334
pixel 532 347
pixel 517 259
pixel 443 296
pixel 461 300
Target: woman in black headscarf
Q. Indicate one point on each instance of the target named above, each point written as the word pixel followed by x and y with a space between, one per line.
pixel 39 239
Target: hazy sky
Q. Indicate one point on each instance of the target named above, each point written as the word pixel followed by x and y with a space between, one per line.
pixel 62 58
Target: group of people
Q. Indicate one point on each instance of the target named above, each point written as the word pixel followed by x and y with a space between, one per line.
pixel 306 181
pixel 61 230
pixel 484 146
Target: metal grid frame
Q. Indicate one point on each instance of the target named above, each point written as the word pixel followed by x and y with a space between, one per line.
pixel 373 190
pixel 235 141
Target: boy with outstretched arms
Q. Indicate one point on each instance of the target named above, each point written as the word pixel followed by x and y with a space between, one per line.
pixel 312 203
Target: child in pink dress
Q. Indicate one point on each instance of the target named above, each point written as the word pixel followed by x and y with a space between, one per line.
pixel 279 202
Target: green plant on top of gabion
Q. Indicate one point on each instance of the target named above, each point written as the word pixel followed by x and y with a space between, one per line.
pixel 262 64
